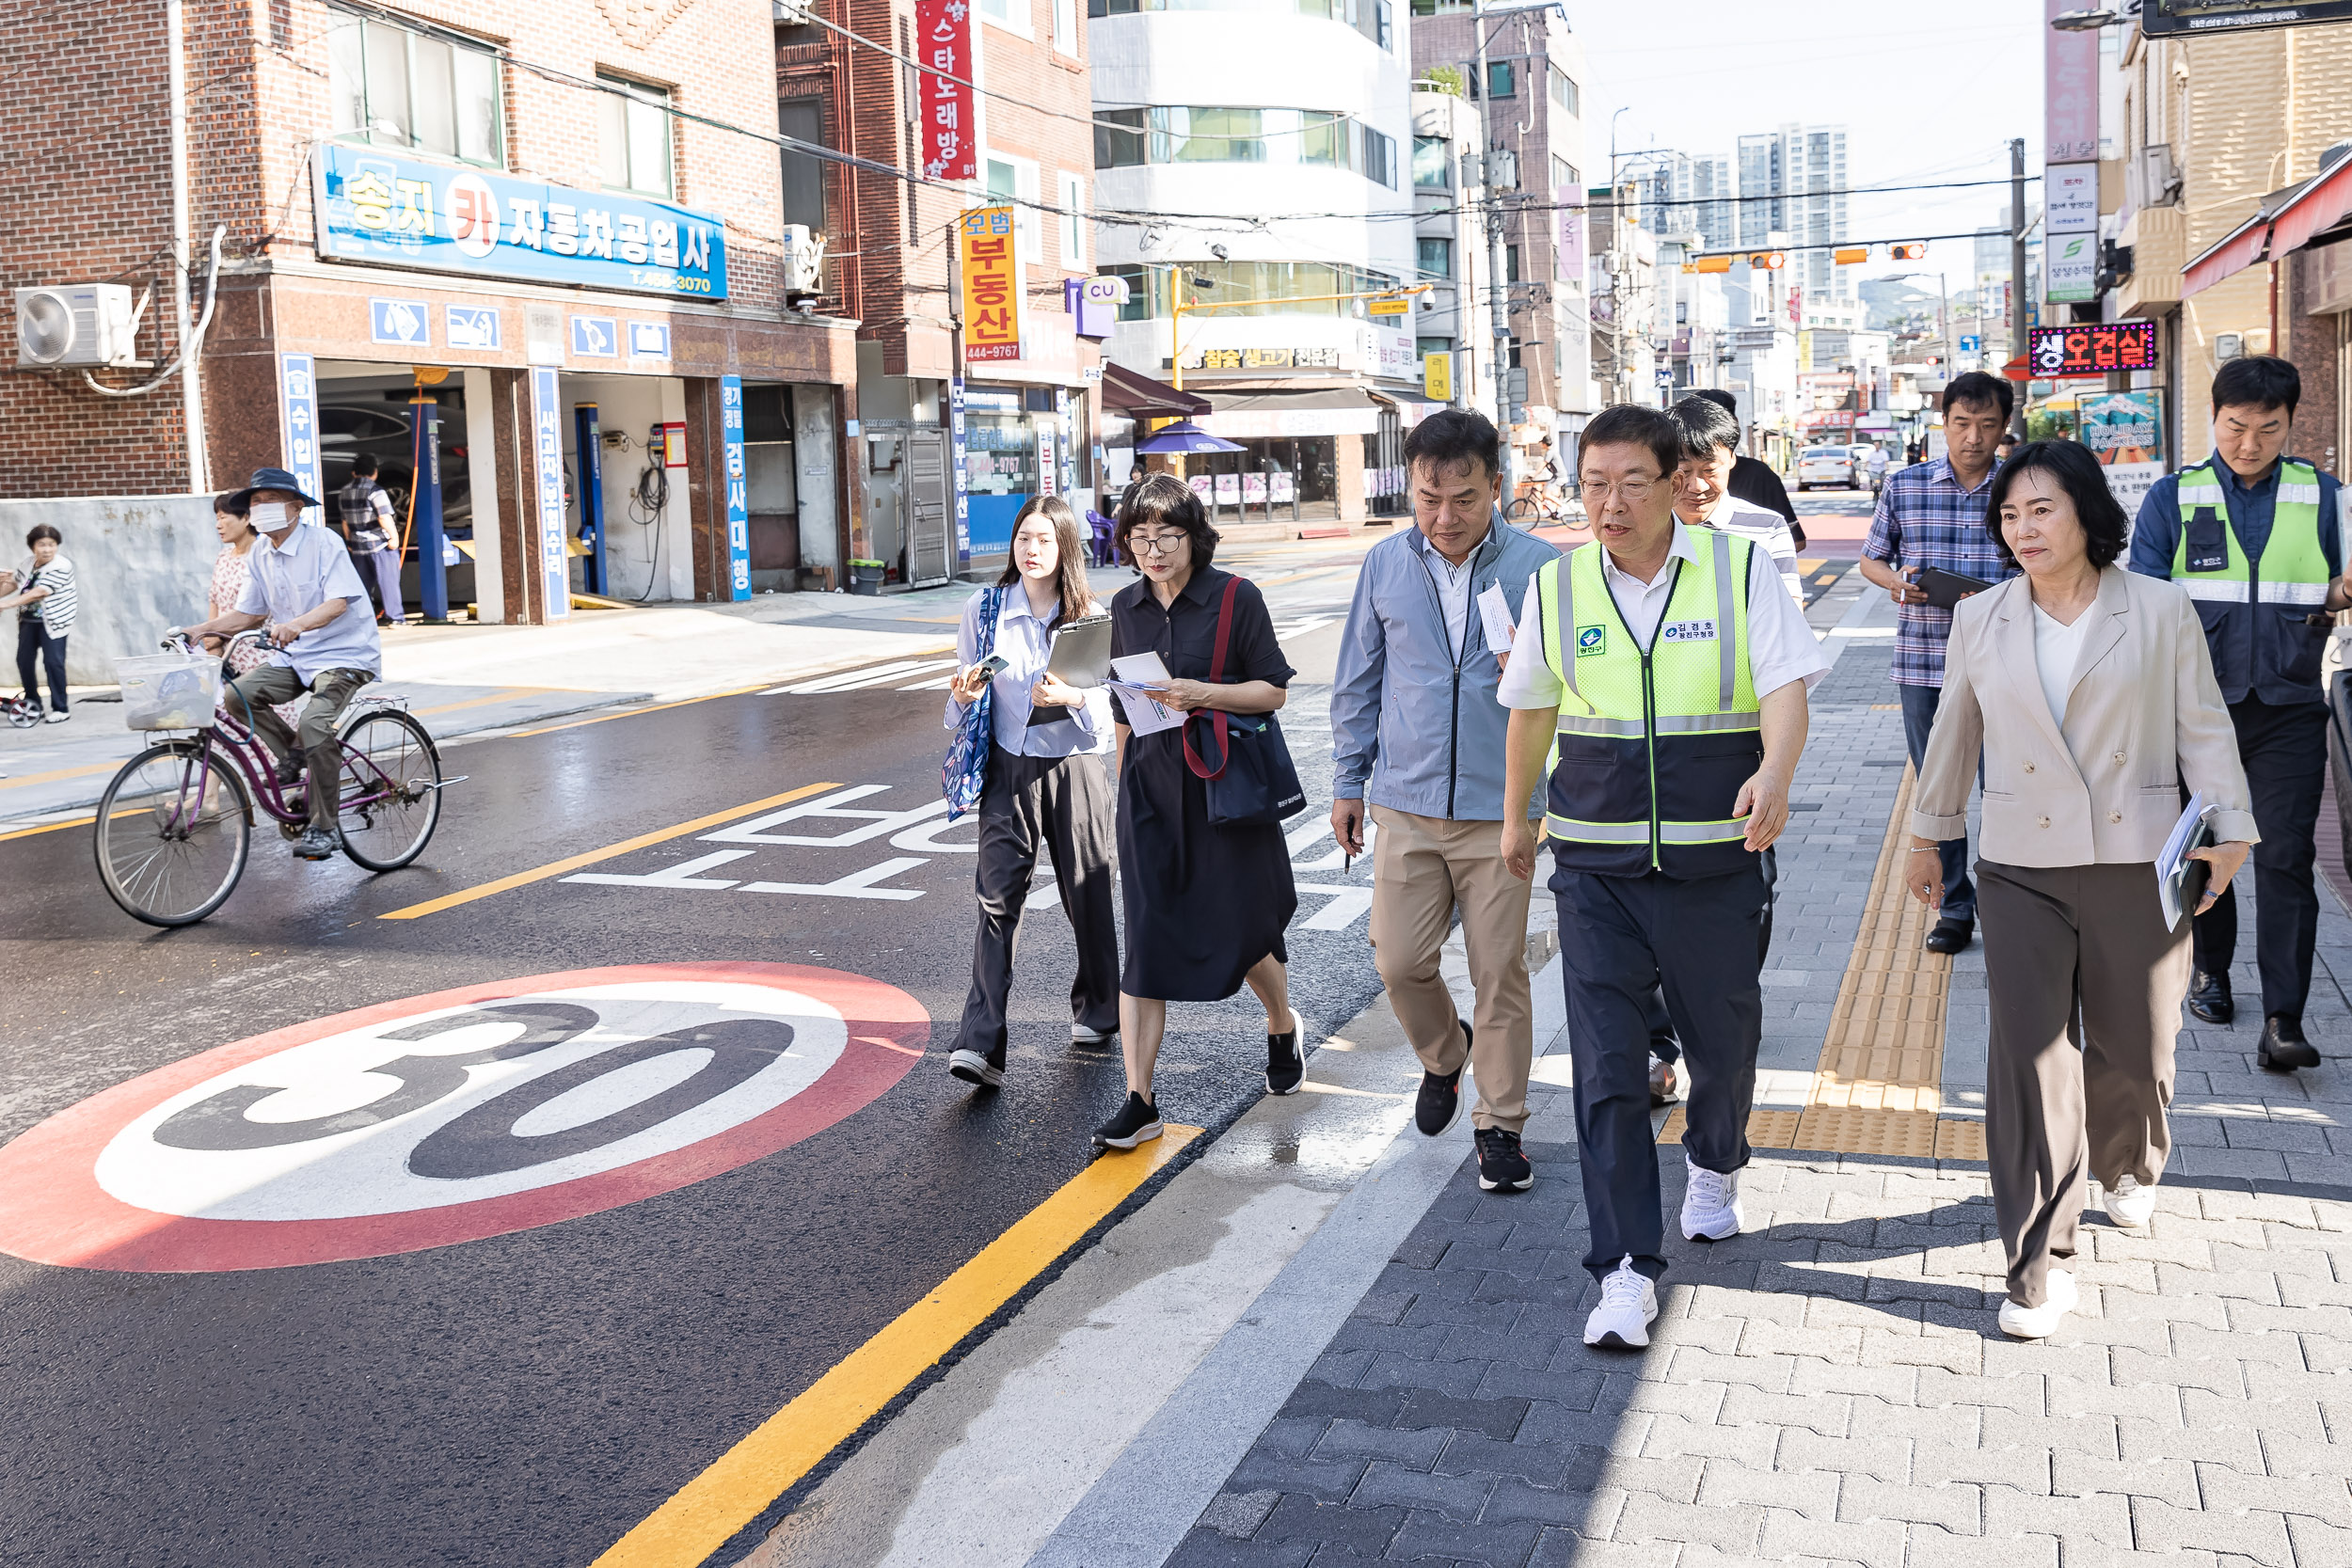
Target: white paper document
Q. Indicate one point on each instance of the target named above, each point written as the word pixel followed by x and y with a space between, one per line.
pixel 1495 610
pixel 2172 863
pixel 1131 673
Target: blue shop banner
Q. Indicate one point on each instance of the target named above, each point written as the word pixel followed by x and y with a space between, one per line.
pixel 379 207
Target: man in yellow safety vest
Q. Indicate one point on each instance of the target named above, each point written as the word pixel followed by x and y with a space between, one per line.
pixel 2257 538
pixel 1668 709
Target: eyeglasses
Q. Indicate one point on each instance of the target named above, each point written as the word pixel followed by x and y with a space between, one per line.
pixel 1635 491
pixel 1156 544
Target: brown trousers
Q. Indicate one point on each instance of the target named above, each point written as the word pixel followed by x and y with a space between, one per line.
pixel 2053 1113
pixel 1423 868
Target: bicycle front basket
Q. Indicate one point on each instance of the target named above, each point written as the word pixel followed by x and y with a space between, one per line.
pixel 168 691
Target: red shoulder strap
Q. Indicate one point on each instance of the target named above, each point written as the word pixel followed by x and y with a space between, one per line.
pixel 1216 674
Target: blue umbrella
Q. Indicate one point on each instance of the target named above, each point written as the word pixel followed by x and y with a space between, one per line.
pixel 1182 435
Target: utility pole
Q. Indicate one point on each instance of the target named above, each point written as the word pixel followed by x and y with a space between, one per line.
pixel 176 89
pixel 2017 267
pixel 1490 198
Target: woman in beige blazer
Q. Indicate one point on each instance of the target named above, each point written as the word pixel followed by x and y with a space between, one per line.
pixel 2093 699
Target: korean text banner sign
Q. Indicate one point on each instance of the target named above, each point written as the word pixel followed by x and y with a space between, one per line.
pixel 950 142
pixel 991 260
pixel 382 208
pixel 298 414
pixel 738 488
pixel 2070 83
pixel 547 450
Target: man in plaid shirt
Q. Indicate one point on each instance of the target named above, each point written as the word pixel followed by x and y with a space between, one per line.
pixel 1932 514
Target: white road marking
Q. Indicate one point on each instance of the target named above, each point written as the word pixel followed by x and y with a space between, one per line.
pixel 835 805
pixel 682 875
pixel 852 680
pixel 857 884
pixel 1341 913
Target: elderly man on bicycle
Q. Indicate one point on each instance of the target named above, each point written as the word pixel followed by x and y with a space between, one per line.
pixel 304 588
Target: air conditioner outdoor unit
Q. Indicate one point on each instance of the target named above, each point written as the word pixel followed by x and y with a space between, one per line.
pixel 804 261
pixel 2152 179
pixel 76 324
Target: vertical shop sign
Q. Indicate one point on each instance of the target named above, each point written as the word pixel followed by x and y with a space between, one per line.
pixel 1069 439
pixel 1569 249
pixel 546 442
pixel 1048 471
pixel 738 488
pixel 958 464
pixel 950 141
pixel 990 256
pixel 298 411
pixel 2070 62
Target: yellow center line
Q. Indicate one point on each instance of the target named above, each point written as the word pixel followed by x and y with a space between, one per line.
pixel 503 695
pixel 633 712
pixel 707 1512
pixel 573 863
pixel 56 773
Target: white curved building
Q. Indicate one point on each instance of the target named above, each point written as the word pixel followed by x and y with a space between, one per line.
pixel 1278 134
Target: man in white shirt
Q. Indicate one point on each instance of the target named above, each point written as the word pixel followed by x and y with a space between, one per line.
pixel 1664 669
pixel 303 587
pixel 1703 498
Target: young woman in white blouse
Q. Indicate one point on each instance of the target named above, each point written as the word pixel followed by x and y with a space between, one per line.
pixel 2093 697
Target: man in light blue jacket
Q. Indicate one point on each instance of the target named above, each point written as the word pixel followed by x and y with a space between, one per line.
pixel 1418 737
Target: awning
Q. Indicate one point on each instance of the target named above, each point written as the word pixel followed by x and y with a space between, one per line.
pixel 1140 395
pixel 2324 203
pixel 2284 222
pixel 1276 415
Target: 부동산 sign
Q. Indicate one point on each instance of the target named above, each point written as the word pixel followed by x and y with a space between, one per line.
pixel 391 211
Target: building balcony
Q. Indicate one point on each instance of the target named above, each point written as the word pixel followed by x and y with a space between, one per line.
pixel 2159 240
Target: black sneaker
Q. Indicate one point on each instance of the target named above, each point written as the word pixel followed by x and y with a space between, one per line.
pixel 1502 1166
pixel 1285 1070
pixel 976 1070
pixel 1439 1104
pixel 290 771
pixel 316 844
pixel 1138 1121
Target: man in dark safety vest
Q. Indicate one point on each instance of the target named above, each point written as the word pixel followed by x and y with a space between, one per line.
pixel 1668 710
pixel 2257 539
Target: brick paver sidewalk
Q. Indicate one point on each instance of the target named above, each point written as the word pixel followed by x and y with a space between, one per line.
pixel 1831 1386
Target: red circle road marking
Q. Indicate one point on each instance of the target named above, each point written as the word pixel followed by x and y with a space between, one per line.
pixel 58 1214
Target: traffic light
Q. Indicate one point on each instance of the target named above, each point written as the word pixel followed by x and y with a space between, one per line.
pixel 1770 261
pixel 1710 264
pixel 1908 252
pixel 1852 255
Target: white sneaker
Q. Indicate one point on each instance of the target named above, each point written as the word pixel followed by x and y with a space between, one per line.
pixel 2040 1323
pixel 975 1070
pixel 1628 1305
pixel 2128 1203
pixel 1710 1204
pixel 1081 1035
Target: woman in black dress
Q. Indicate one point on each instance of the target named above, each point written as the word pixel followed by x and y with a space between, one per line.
pixel 1206 905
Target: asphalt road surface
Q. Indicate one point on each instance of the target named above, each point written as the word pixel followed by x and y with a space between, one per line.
pixel 293 1287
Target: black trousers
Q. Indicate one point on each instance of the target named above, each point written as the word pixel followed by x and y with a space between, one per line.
pixel 1065 805
pixel 33 640
pixel 1623 938
pixel 2285 753
pixel 1663 1043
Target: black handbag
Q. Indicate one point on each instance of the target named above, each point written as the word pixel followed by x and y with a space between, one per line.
pixel 1254 782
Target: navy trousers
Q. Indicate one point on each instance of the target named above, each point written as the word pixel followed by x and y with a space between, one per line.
pixel 1699 943
pixel 2286 753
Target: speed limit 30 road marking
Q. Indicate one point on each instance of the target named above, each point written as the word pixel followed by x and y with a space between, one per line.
pixel 454 1117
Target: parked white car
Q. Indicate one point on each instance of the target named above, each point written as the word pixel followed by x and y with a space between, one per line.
pixel 1832 467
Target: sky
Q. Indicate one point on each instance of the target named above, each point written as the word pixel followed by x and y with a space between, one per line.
pixel 1926 92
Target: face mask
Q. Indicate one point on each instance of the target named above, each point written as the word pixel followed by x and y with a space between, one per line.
pixel 269 517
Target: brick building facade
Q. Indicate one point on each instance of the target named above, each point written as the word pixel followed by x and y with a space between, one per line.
pixel 1029 423
pixel 630 240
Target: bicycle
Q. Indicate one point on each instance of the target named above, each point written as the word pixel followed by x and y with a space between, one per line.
pixel 175 825
pixel 1539 506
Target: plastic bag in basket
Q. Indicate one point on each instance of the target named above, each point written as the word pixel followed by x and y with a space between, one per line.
pixel 168 691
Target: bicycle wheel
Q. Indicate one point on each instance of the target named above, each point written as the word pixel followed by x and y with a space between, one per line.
pixel 1524 509
pixel 173 833
pixel 391 794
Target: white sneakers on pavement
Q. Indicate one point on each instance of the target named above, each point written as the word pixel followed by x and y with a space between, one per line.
pixel 1710 1204
pixel 2040 1323
pixel 1628 1305
pixel 2128 1203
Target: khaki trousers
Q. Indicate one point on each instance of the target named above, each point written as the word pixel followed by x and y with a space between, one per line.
pixel 1423 869
pixel 2054 1114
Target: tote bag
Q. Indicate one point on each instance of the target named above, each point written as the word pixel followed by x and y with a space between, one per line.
pixel 966 772
pixel 1253 782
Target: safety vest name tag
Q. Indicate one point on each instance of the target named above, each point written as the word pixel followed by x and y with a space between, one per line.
pixel 1688 631
pixel 2206 535
pixel 1591 641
